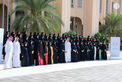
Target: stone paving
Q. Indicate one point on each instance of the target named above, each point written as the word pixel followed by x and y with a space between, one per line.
pixel 107 73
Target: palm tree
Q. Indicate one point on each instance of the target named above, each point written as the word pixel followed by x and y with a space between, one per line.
pixel 39 15
pixel 113 25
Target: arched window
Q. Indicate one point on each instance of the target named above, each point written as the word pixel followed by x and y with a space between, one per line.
pixel 106 7
pixel 76 25
pixel 100 6
pixel 112 7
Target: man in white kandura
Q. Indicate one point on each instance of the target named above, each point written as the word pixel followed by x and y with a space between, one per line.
pixel 67 51
pixel 16 53
pixel 9 53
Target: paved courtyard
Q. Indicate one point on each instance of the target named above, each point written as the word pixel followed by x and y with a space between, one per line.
pixel 90 71
pixel 86 71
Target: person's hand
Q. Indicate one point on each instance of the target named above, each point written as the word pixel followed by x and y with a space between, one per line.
pixel 82 50
pixel 32 52
pixel 74 51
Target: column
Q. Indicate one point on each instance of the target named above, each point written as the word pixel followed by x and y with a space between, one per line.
pixel 121 7
pixel 91 17
pixel 65 15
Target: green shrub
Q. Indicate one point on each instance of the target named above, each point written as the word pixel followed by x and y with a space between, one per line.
pixel 101 37
pixel 120 47
pixel 70 33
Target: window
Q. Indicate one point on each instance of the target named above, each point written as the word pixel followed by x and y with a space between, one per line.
pixel 106 7
pixel 71 23
pixel 112 7
pixel 100 6
pixel 72 3
pixel 79 3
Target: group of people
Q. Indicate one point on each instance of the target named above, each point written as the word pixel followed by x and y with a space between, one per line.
pixel 42 49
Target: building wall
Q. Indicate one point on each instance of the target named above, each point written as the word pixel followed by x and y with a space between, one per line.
pixel 64 12
pixel 66 8
pixel 91 17
pixel 77 12
pixel 77 15
pixel 103 13
pixel 89 14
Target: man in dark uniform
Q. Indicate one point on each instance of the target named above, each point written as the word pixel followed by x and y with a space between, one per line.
pixel 55 52
pixel 74 53
pixel 62 52
pixel 24 54
pixel 49 52
pixel 86 54
pixel 82 55
pixel 31 53
pixel 91 48
pixel 36 44
pixel 104 53
pixel 78 49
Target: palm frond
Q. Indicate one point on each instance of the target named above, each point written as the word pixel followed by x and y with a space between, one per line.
pixel 38 15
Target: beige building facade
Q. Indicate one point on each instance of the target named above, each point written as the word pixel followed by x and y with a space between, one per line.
pixel 81 16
